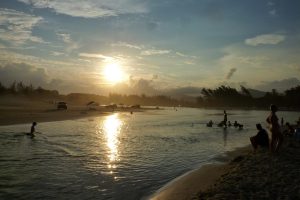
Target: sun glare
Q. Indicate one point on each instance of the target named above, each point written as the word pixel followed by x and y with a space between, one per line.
pixel 113 73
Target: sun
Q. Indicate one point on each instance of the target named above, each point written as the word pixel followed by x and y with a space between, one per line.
pixel 113 72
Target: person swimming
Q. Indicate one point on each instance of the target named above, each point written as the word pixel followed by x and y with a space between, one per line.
pixel 210 123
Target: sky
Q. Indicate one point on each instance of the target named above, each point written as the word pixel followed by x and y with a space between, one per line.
pixel 159 45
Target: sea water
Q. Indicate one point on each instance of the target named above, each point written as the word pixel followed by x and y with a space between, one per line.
pixel 119 155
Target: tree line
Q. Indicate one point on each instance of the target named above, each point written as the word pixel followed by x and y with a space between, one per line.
pixel 19 88
pixel 225 96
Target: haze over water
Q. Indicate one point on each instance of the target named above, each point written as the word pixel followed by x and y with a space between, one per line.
pixel 118 156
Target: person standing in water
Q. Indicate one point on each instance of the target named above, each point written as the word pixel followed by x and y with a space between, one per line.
pixel 274 126
pixel 225 119
pixel 32 130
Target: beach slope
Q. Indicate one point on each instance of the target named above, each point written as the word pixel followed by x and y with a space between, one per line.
pixel 248 175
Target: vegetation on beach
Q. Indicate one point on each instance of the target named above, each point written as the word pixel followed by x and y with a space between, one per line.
pixel 231 97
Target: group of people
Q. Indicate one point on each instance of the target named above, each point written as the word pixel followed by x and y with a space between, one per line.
pixel 225 124
pixel 262 139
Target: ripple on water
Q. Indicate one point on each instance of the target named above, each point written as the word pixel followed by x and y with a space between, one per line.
pixel 118 156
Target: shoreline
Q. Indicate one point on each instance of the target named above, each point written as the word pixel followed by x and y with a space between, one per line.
pixel 22 115
pixel 199 180
pixel 249 175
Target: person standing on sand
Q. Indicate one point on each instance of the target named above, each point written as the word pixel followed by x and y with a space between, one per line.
pixel 274 126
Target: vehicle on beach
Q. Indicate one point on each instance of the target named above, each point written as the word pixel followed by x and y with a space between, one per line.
pixel 92 105
pixel 62 105
pixel 136 106
pixel 111 106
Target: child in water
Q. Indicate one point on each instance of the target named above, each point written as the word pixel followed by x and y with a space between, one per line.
pixel 32 130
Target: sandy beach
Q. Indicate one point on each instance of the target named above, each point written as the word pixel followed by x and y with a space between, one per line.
pixel 24 111
pixel 248 175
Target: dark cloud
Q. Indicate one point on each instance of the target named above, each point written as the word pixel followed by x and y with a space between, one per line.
pixel 75 86
pixel 280 85
pixel 23 72
pixel 230 73
pixel 37 76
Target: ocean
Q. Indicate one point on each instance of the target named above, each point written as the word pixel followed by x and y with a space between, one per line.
pixel 119 155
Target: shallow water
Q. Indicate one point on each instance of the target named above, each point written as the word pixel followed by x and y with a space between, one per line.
pixel 119 156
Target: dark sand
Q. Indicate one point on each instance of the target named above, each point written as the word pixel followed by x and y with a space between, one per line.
pixel 260 176
pixel 187 185
pixel 248 175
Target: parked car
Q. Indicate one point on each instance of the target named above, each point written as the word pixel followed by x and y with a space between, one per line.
pixel 62 105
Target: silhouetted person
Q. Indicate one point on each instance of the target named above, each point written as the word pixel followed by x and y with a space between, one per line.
pixel 260 139
pixel 235 124
pixel 241 126
pixel 282 121
pixel 225 119
pixel 32 130
pixel 277 137
pixel 210 123
pixel 290 129
pixel 229 123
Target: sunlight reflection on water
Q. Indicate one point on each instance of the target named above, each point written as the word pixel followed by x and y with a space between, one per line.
pixel 112 127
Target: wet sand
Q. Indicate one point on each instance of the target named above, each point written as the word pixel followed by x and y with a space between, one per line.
pixel 186 186
pixel 191 183
pixel 248 175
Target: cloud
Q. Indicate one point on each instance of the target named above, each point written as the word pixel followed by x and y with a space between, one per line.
pixel 135 86
pixel 56 53
pixel 7 57
pixel 273 12
pixel 124 44
pixel 279 85
pixel 16 27
pixel 23 72
pixel 154 52
pixel 265 39
pixel 90 8
pixel 230 73
pixel 65 37
pixel 101 56
pixel 185 56
pixel 38 76
pixel 70 44
pixel 155 76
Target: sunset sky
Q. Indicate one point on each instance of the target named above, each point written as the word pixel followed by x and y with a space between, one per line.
pixel 157 44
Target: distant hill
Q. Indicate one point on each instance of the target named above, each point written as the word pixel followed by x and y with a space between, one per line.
pixel 184 93
pixel 256 93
